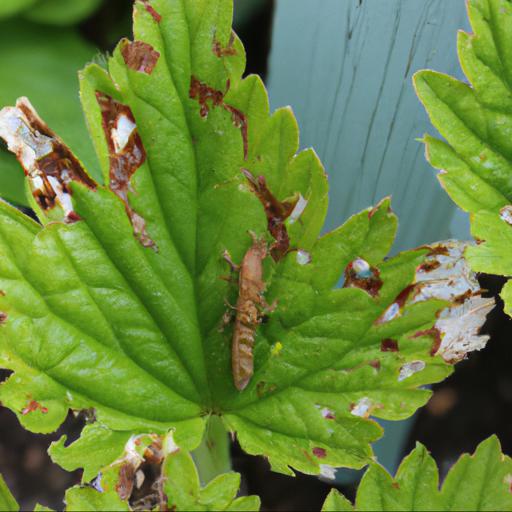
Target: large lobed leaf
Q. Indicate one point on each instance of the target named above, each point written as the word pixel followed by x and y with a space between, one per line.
pixel 476 120
pixel 476 483
pixel 116 303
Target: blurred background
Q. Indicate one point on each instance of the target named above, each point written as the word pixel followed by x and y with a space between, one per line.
pixel 345 66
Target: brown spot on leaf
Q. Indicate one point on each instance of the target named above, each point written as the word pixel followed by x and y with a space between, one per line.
pixel 263 388
pixel 228 51
pixel 33 406
pixel 395 309
pixel 3 317
pixel 209 97
pixel 389 345
pixel 127 154
pixel 276 211
pixel 428 266
pixel 321 453
pixel 396 485
pixel 375 363
pixel 360 274
pixel 436 335
pixel 140 56
pixel 72 217
pixel 156 16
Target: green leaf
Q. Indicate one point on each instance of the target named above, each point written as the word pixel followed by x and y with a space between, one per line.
pixel 61 12
pixel 87 499
pixel 481 481
pixel 7 501
pixel 184 492
pixel 42 508
pixel 96 448
pixel 116 302
pixel 54 57
pixel 413 488
pixel 475 120
pixel 11 7
pixel 477 482
pixel 335 502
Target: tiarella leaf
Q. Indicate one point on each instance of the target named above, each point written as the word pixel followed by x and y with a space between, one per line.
pixel 476 119
pixel 117 303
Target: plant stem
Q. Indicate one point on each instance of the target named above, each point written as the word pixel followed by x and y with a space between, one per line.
pixel 212 457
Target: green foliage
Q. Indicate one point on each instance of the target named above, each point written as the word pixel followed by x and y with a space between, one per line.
pixel 7 501
pixel 129 325
pixel 11 7
pixel 54 57
pixel 51 12
pixel 175 481
pixel 478 482
pixel 184 492
pixel 61 12
pixel 476 160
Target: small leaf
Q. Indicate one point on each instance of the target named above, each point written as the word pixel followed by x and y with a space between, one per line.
pixel 336 502
pixel 96 448
pixel 7 501
pixel 87 499
pixel 183 489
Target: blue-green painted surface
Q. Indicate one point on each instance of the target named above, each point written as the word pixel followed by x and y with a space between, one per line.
pixel 345 66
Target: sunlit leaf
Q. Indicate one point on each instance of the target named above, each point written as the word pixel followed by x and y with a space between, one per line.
pixel 117 303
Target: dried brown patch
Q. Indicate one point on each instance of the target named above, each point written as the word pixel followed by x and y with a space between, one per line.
pixel 321 453
pixel 208 97
pixel 389 345
pixel 375 364
pixel 156 16
pixel 127 154
pixel 140 56
pixel 360 274
pixel 33 406
pixel 435 334
pixel 126 482
pixel 48 163
pixel 276 211
pixel 3 317
pixel 228 51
